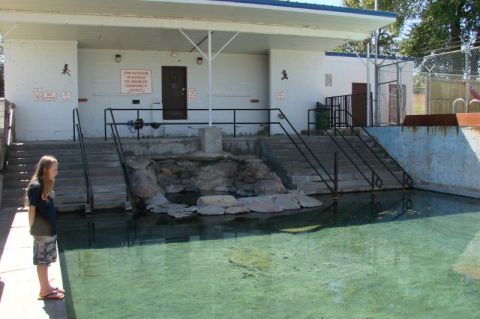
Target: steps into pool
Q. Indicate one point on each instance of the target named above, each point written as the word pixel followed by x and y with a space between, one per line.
pixel 70 191
pixel 296 173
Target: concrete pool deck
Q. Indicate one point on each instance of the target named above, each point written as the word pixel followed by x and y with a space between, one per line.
pixel 18 277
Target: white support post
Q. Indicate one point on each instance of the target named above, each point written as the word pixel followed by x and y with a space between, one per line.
pixel 210 59
pixel 210 78
pixel 368 84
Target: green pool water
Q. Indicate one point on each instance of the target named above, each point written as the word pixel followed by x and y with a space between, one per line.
pixel 400 255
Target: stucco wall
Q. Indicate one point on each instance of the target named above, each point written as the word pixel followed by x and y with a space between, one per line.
pixel 304 86
pixel 39 65
pixel 438 158
pixel 348 70
pixel 237 79
pixel 306 82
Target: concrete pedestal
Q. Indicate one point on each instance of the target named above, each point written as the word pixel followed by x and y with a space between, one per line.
pixel 210 139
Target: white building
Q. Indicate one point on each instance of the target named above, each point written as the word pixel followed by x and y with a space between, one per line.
pixel 60 55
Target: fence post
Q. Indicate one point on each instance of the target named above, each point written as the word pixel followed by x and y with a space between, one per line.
pixel 467 78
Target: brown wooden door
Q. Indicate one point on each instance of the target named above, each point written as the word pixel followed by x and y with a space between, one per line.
pixel 174 92
pixel 359 104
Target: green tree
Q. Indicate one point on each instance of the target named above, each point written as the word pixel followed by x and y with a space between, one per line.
pixel 388 37
pixel 424 25
pixel 442 25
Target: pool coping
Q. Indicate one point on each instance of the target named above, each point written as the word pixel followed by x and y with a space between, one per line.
pixel 18 276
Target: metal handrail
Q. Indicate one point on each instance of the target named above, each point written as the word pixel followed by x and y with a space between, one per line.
pixel 346 101
pixel 376 179
pixel 371 181
pixel 406 179
pixel 86 173
pixel 9 135
pixel 123 162
pixel 331 188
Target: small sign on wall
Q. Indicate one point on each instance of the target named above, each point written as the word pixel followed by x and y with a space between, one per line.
pixel 192 94
pixel 66 95
pixel 328 79
pixel 280 95
pixel 37 94
pixel 49 96
pixel 136 81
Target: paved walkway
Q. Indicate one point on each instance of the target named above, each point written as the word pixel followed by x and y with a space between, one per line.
pixel 18 277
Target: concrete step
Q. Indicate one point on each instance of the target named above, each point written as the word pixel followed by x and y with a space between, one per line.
pixel 62 181
pixel 73 159
pixel 58 153
pixel 54 145
pixel 66 167
pixel 306 169
pixel 325 158
pixel 343 187
pixel 95 171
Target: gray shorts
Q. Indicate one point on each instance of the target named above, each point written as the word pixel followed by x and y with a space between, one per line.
pixel 44 250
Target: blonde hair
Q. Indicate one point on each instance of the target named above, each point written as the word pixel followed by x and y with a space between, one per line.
pixel 46 185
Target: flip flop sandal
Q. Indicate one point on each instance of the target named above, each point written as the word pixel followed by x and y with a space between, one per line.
pixel 54 295
pixel 60 290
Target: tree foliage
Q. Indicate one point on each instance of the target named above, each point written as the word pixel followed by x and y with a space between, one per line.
pixel 443 26
pixel 424 25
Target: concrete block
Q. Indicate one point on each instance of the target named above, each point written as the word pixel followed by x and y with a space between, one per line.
pixel 211 139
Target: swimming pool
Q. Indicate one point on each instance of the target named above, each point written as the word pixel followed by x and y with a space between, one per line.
pixel 397 255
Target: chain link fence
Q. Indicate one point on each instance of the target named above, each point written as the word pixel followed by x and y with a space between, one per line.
pixel 394 83
pixel 447 83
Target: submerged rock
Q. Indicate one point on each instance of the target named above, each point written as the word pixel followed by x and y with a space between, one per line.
pixel 469 261
pixel 251 258
pixel 300 229
pixel 180 215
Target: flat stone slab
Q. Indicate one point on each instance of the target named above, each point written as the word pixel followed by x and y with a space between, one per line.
pixel 307 201
pixel 287 202
pixel 211 210
pixel 233 210
pixel 227 204
pixel 261 204
pixel 218 200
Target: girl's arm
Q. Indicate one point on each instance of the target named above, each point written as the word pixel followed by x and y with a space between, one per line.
pixel 31 215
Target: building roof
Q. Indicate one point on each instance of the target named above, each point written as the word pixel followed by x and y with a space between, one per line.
pixel 312 6
pixel 154 24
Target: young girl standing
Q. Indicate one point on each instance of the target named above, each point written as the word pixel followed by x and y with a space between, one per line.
pixel 43 224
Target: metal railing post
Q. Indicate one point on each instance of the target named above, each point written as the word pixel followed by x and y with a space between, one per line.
pixel 335 174
pixel 234 123
pixel 308 122
pixel 105 122
pixel 73 119
pixel 138 131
